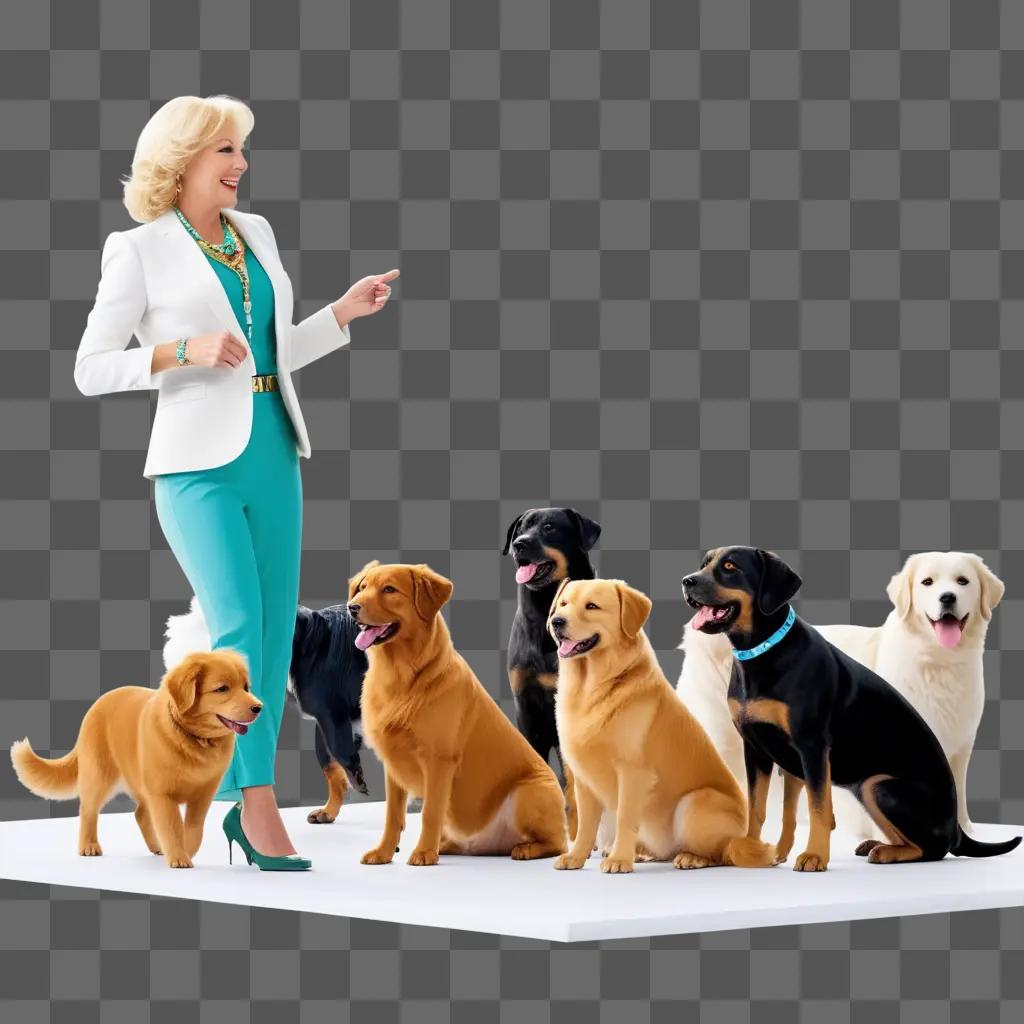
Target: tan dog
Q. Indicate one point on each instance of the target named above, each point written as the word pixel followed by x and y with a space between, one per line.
pixel 634 748
pixel 440 735
pixel 163 747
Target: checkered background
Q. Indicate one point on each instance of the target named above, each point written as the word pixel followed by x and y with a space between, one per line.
pixel 710 273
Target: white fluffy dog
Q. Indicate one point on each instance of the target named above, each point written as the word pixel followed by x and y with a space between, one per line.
pixel 930 648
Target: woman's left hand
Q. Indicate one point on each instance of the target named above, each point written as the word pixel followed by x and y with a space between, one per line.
pixel 368 295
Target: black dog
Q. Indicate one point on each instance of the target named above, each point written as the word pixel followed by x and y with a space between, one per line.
pixel 327 683
pixel 548 545
pixel 801 703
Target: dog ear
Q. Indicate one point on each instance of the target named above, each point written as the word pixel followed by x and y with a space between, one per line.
pixel 182 681
pixel 510 536
pixel 588 530
pixel 354 581
pixel 430 590
pixel 992 588
pixel 901 588
pixel 634 607
pixel 558 593
pixel 778 583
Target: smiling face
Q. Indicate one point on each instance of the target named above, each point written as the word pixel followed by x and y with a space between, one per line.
pixel 541 541
pixel 946 595
pixel 389 603
pixel 207 181
pixel 595 616
pixel 735 586
pixel 211 695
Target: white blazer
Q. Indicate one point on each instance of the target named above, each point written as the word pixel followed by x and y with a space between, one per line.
pixel 157 284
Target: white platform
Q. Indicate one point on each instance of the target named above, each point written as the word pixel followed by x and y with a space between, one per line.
pixel 499 895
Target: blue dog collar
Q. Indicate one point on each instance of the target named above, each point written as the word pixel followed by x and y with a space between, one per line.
pixel 753 652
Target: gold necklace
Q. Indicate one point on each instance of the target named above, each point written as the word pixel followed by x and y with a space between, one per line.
pixel 232 255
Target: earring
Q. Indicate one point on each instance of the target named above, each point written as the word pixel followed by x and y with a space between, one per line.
pixel 177 188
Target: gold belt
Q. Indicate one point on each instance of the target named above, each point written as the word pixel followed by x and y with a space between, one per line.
pixel 264 382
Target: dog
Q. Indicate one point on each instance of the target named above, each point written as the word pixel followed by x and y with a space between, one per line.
pixel 940 673
pixel 824 719
pixel 325 680
pixel 440 735
pixel 548 545
pixel 703 687
pixel 163 747
pixel 634 748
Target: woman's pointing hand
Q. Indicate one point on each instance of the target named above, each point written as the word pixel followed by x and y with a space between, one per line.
pixel 368 295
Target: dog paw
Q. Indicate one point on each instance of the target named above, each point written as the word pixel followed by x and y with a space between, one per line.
pixel 688 861
pixel 781 854
pixel 321 816
pixel 90 850
pixel 569 862
pixel 530 851
pixel 864 848
pixel 181 861
pixel 616 866
pixel 156 851
pixel 885 854
pixel 423 858
pixel 377 856
pixel 808 861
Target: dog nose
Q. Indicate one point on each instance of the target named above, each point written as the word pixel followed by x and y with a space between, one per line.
pixel 518 544
pixel 256 708
pixel 353 609
pixel 688 581
pixel 947 598
pixel 558 622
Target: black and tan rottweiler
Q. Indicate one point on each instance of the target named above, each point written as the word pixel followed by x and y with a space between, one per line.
pixel 825 719
pixel 548 545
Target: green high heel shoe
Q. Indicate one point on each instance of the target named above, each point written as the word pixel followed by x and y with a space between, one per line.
pixel 232 825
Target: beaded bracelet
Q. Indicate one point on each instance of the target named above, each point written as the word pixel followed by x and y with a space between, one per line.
pixel 183 360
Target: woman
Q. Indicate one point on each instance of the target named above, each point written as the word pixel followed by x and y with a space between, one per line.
pixel 202 287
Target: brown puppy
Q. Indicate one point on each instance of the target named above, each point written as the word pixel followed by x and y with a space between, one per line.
pixel 163 747
pixel 440 735
pixel 634 747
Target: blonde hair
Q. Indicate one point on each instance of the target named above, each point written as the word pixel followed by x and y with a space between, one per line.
pixel 179 130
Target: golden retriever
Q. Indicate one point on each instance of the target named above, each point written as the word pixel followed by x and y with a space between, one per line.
pixel 440 735
pixel 163 747
pixel 634 748
pixel 930 647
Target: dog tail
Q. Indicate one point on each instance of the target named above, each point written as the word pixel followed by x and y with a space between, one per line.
pixel 967 847
pixel 55 779
pixel 744 852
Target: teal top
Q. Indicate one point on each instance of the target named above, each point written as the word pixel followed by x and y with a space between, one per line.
pixel 264 335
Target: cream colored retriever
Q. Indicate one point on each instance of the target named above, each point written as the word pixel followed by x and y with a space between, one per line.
pixel 930 648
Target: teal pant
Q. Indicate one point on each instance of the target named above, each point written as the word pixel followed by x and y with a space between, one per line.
pixel 236 531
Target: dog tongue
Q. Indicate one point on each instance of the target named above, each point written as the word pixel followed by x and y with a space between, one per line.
pixel 365 637
pixel 567 647
pixel 526 572
pixel 705 613
pixel 947 631
pixel 237 727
